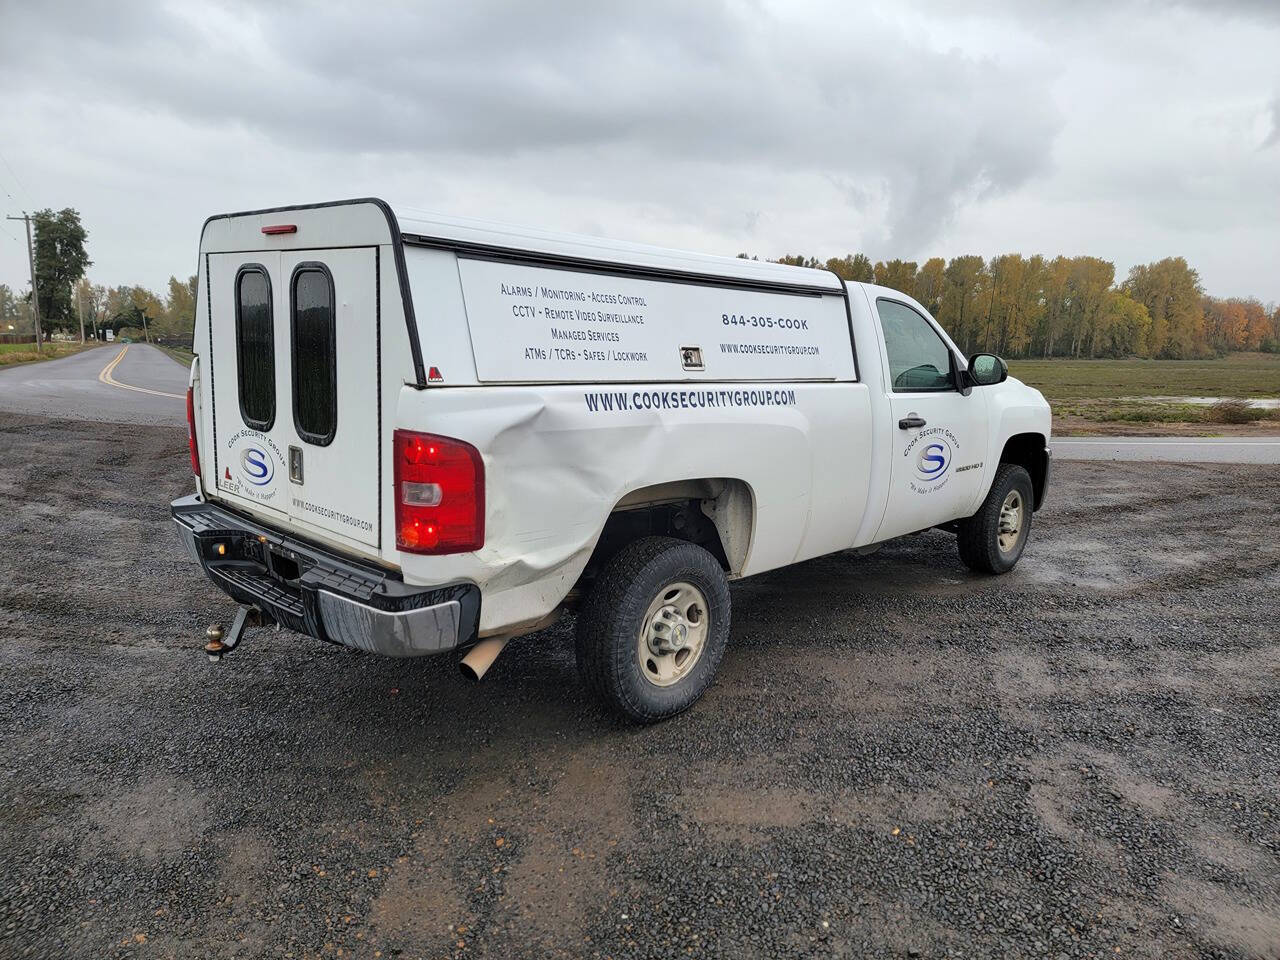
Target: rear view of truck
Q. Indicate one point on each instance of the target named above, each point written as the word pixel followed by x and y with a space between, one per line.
pixel 303 341
pixel 578 424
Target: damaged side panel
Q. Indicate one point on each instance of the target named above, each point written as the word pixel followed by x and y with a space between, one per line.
pixel 556 465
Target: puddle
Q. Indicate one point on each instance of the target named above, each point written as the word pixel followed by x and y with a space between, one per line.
pixel 1263 403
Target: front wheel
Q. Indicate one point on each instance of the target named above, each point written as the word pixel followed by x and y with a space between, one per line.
pixel 992 540
pixel 653 629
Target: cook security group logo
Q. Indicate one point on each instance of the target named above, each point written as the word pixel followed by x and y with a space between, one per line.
pixel 933 460
pixel 255 466
pixel 251 464
pixel 930 454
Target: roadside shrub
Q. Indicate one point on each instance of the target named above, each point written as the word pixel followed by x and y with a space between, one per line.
pixel 1235 411
pixel 1161 413
pixel 52 350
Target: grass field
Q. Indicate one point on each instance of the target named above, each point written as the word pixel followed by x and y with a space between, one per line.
pixel 181 354
pixel 1087 394
pixel 14 353
pixel 1236 375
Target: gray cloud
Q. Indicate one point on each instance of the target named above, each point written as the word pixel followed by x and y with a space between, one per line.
pixel 721 84
pixel 903 130
pixel 1273 137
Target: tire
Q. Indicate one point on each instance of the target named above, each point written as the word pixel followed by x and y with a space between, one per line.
pixel 983 547
pixel 678 595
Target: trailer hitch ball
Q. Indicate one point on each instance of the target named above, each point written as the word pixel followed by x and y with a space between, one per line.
pixel 221 643
pixel 214 647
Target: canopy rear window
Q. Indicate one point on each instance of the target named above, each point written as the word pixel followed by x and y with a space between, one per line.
pixel 255 347
pixel 315 392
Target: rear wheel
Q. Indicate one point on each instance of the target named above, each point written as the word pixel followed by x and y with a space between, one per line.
pixel 992 540
pixel 653 628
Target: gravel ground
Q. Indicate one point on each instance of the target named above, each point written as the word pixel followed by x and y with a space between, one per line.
pixel 898 759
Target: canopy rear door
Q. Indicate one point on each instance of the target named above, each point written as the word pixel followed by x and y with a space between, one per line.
pixel 295 360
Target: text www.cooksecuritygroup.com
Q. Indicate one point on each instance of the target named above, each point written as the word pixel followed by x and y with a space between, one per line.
pixel 621 400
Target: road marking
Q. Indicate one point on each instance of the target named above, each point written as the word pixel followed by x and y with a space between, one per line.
pixel 106 377
pixel 1259 450
pixel 1169 440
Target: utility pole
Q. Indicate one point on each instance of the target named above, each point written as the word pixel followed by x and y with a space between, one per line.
pixel 75 292
pixel 145 336
pixel 35 296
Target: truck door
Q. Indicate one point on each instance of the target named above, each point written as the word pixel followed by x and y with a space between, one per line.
pixel 938 435
pixel 246 335
pixel 296 403
pixel 334 463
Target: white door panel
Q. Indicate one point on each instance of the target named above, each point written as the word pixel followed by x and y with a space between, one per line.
pixel 321 411
pixel 337 489
pixel 939 435
pixel 250 420
pixel 936 468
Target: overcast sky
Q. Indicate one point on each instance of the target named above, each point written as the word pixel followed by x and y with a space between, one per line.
pixel 1119 128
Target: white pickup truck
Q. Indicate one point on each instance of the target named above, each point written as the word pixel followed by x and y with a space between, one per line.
pixel 414 434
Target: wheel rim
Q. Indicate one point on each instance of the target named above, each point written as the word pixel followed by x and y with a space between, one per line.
pixel 673 634
pixel 1011 518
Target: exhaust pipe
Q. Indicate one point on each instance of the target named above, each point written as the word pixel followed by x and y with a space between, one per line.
pixel 480 657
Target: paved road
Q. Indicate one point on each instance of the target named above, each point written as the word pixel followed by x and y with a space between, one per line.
pixel 114 383
pixel 1262 450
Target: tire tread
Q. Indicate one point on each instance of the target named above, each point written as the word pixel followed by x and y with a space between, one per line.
pixel 604 640
pixel 977 536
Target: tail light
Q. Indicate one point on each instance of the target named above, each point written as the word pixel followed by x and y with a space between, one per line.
pixel 439 494
pixel 191 431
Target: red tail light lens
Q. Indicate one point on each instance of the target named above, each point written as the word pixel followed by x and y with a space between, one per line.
pixel 191 432
pixel 439 494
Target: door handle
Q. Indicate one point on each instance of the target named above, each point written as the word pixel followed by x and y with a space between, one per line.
pixel 906 423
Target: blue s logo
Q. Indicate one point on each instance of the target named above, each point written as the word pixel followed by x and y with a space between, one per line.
pixel 256 466
pixel 933 460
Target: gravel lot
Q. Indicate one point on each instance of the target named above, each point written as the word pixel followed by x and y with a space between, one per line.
pixel 899 758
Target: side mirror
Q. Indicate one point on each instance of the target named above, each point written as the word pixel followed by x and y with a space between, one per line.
pixel 986 369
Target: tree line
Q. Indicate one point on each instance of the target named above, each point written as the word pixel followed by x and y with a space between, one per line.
pixel 66 296
pixel 1069 306
pixel 121 308
pixel 1012 305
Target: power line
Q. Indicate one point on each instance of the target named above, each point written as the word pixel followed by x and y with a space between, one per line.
pixel 12 198
pixel 14 201
pixel 16 179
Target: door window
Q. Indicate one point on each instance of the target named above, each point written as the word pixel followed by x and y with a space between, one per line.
pixel 255 347
pixel 315 384
pixel 919 360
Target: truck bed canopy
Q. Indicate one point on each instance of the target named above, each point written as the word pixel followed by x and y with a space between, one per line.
pixel 499 239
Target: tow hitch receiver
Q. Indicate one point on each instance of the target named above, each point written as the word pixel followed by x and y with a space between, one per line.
pixel 221 643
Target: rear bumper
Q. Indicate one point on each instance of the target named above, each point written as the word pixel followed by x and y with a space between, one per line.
pixel 313 591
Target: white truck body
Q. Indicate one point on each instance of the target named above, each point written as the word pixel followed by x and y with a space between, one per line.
pixel 594 378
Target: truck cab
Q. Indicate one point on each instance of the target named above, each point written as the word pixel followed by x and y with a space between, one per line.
pixel 414 434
